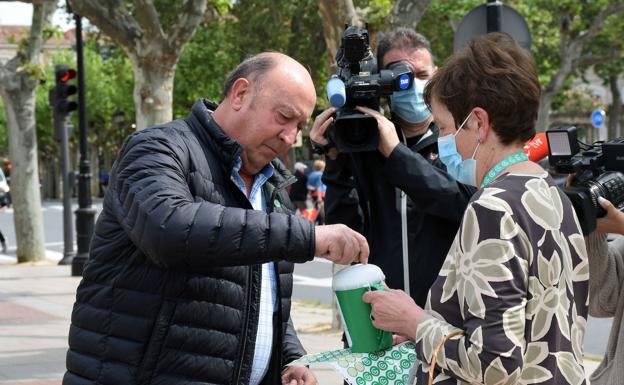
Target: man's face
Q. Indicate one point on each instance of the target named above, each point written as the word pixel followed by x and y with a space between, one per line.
pixel 272 116
pixel 419 59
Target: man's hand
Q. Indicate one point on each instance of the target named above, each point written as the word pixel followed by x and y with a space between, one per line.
pixel 319 129
pixel 298 375
pixel 388 138
pixel 340 244
pixel 394 311
pixel 613 222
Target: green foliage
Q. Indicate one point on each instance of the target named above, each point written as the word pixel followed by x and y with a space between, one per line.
pixel 109 91
pixel 168 12
pixel 222 6
pixel 544 18
pixel 377 13
pixel 435 25
pixel 109 85
pixel 289 26
pixel 609 41
pixel 202 67
pixel 34 71
pixel 50 31
pixel 248 27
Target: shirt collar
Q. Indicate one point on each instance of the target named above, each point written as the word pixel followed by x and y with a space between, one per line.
pixel 267 171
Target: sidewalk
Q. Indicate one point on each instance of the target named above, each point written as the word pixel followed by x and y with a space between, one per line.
pixel 35 310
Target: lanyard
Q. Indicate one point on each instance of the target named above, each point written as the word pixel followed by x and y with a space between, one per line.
pixel 512 159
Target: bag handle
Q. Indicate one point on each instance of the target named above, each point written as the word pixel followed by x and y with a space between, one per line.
pixel 437 350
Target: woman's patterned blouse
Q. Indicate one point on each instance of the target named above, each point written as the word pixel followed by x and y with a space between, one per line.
pixel 515 282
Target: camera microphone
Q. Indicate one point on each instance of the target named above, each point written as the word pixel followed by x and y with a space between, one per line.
pixel 537 147
pixel 336 93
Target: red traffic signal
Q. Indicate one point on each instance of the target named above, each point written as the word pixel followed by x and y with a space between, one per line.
pixel 64 74
pixel 59 95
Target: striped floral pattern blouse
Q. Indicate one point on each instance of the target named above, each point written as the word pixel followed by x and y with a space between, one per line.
pixel 515 282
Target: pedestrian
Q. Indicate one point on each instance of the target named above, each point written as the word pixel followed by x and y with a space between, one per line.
pixel 189 276
pixel 317 189
pixel 510 303
pixel 299 190
pixel 606 290
pixel 4 204
pixel 104 177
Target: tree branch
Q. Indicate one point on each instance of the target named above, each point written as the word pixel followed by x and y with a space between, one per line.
pixel 590 60
pixel 613 8
pixel 120 26
pixel 148 19
pixel 189 18
pixel 42 17
pixel 407 13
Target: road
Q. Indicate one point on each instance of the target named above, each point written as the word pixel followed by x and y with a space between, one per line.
pixel 312 281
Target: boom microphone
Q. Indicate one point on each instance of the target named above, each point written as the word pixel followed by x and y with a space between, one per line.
pixel 537 147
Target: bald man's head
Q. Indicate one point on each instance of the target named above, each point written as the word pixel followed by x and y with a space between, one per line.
pixel 258 66
pixel 268 98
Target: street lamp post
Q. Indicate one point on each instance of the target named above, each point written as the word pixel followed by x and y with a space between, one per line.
pixel 85 214
pixel 118 121
pixel 494 15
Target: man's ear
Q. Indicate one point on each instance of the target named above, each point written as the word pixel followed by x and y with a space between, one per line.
pixel 483 123
pixel 241 89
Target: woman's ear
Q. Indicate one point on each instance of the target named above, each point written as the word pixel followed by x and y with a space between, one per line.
pixel 482 119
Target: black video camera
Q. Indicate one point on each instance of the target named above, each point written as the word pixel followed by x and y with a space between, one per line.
pixel 359 83
pixel 598 169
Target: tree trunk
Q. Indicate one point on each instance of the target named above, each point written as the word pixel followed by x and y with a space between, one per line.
pixel 18 80
pixel 19 107
pixel 616 108
pixel 334 15
pixel 543 113
pixel 153 94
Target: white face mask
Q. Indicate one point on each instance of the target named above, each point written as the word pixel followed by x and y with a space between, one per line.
pixel 465 171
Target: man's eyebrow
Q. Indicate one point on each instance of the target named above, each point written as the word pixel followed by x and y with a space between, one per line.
pixel 290 108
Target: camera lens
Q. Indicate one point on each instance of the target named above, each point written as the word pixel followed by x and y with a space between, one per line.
pixel 609 185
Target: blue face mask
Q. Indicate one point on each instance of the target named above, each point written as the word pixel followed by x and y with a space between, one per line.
pixel 465 171
pixel 409 105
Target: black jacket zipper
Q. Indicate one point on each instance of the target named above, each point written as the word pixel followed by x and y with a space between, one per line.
pixel 270 207
pixel 245 325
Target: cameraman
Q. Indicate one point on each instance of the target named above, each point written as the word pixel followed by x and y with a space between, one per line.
pixel 606 290
pixel 408 236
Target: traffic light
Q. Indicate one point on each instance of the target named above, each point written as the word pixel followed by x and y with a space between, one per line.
pixel 59 95
pixel 62 106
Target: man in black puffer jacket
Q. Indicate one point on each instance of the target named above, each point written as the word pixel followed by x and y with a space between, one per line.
pixel 190 271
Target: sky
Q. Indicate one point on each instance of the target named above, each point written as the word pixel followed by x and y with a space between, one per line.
pixel 18 13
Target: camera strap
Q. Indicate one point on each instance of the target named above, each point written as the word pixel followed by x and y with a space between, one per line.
pixel 404 241
pixel 499 167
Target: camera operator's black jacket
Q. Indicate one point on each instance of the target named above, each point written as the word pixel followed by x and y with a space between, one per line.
pixel 435 206
pixel 171 291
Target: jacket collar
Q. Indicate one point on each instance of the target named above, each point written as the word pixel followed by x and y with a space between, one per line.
pixel 431 138
pixel 212 135
pixel 228 150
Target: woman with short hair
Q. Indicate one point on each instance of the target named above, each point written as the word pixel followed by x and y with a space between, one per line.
pixel 510 303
